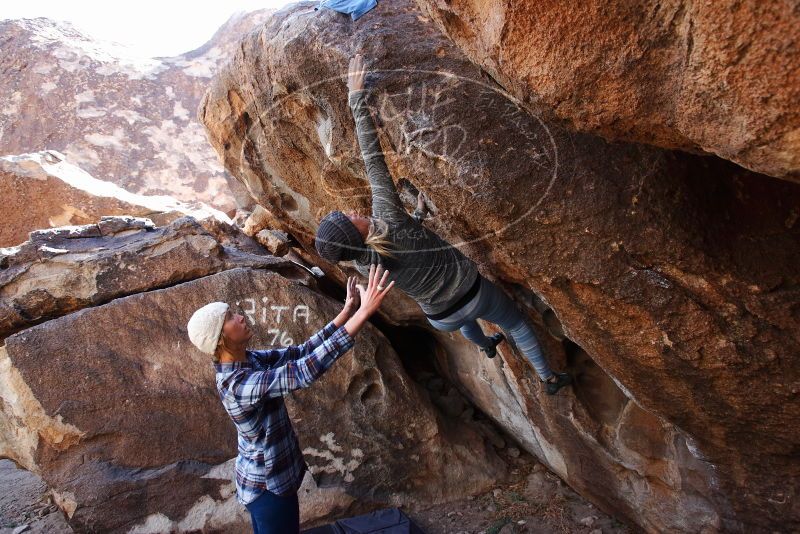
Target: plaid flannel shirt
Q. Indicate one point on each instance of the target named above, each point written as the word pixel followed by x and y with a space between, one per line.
pixel 252 393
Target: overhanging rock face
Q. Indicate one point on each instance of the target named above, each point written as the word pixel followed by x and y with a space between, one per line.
pixel 669 280
pixel 118 412
pixel 721 77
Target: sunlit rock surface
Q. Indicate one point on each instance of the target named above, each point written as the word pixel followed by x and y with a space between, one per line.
pixel 666 282
pixel 64 269
pixel 43 190
pixel 121 118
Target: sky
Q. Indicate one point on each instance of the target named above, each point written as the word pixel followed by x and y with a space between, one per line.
pixel 148 27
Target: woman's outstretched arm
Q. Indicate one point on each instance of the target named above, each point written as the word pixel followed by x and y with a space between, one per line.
pixel 277 357
pixel 247 389
pixel 386 202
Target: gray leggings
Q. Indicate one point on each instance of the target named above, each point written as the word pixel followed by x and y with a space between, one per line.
pixel 493 305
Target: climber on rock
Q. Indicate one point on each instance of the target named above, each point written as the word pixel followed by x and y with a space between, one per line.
pixel 445 283
pixel 251 384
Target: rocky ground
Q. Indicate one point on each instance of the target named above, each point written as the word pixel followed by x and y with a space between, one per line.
pixel 25 505
pixel 534 500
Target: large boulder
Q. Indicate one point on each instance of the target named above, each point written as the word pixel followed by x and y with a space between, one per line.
pixel 668 280
pixel 127 119
pixel 43 190
pixel 114 408
pixel 720 77
pixel 61 270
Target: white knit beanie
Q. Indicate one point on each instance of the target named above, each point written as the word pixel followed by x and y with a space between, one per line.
pixel 205 326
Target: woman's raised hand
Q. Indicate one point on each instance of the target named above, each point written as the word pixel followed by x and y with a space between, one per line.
pixel 353 299
pixel 376 289
pixel 356 73
pixel 371 298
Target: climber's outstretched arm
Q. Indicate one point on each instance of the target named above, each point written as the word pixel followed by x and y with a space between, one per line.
pixel 386 202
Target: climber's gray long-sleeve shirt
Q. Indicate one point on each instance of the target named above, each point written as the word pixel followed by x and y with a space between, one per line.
pixel 426 267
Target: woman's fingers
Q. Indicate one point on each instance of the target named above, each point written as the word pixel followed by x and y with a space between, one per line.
pixel 378 297
pixel 378 277
pixel 373 294
pixel 387 288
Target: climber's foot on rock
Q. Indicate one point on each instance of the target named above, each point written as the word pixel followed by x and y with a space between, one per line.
pixel 556 382
pixel 491 350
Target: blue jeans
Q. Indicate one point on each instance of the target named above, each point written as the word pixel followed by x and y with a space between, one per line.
pixel 275 514
pixel 493 305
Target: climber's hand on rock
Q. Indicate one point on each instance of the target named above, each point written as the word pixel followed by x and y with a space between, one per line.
pixel 356 73
pixel 421 199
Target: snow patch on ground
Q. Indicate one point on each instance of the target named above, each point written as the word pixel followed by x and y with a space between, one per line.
pixel 46 87
pixel 90 113
pixel 204 66
pixel 116 140
pixel 180 112
pixel 52 163
pixel 130 115
pixel 83 155
pixel 12 107
pixel 44 68
pixel 74 50
pixel 86 96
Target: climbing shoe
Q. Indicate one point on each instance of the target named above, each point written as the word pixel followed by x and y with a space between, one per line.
pixel 491 351
pixel 562 379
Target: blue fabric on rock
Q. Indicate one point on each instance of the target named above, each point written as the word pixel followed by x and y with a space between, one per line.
pixel 354 8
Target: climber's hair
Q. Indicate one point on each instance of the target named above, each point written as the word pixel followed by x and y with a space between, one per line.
pixel 376 237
